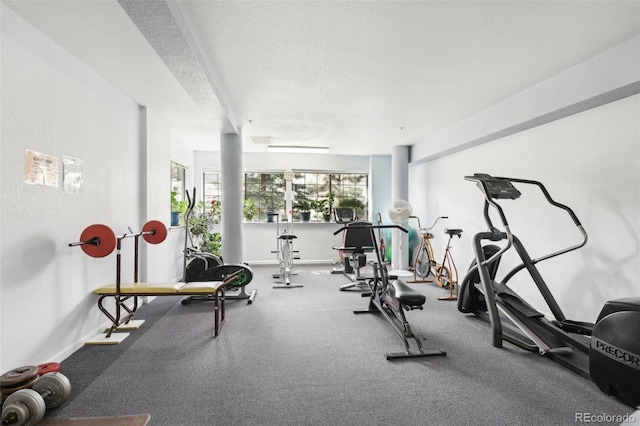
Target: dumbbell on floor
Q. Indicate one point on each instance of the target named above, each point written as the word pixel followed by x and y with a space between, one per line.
pixel 27 406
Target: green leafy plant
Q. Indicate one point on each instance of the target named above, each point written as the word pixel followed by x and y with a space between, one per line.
pixel 328 203
pixel 353 203
pixel 318 205
pixel 249 209
pixel 177 206
pixel 202 226
pixel 303 205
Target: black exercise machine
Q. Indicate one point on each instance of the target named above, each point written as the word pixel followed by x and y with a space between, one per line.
pixel 356 243
pixel 391 297
pixel 608 351
pixel 201 266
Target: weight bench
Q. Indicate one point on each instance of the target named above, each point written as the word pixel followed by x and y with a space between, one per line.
pixel 122 292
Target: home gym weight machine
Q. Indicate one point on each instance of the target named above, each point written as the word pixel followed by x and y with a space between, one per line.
pixel 201 266
pixel 286 254
pixel 608 351
pixel 391 297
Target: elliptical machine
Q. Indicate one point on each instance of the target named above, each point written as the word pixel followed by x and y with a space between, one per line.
pixel 608 351
pixel 194 261
pixel 201 266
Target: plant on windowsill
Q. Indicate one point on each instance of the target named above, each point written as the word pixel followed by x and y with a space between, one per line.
pixel 353 203
pixel 317 206
pixel 304 207
pixel 177 209
pixel 327 206
pixel 249 209
pixel 269 200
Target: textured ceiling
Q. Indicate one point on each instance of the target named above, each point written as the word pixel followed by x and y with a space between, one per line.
pixel 359 77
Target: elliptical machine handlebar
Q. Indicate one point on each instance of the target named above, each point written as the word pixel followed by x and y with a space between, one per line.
pixel 502 188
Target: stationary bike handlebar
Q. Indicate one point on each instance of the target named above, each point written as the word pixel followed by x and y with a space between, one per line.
pixel 501 188
pixel 421 229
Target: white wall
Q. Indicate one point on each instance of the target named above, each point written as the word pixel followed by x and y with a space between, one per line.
pixel 589 162
pixel 576 132
pixel 165 261
pixel 380 187
pixel 53 104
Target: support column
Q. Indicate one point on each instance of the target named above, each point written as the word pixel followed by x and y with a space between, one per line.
pixel 400 191
pixel 231 197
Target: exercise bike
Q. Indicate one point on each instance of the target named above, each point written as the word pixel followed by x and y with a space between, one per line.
pixel 391 297
pixel 608 351
pixel 445 274
pixel 286 254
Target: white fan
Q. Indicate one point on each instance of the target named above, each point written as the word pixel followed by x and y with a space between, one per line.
pixel 399 211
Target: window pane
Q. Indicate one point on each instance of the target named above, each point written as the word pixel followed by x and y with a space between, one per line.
pixel 177 180
pixel 211 187
pixel 267 192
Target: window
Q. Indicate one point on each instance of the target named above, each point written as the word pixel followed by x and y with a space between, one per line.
pixel 211 189
pixel 351 190
pixel 267 189
pixel 348 190
pixel 178 173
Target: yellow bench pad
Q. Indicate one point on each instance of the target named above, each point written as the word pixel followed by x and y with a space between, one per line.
pixel 160 289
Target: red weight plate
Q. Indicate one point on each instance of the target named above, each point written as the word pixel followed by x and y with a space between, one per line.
pixel 158 232
pixel 49 367
pixel 106 240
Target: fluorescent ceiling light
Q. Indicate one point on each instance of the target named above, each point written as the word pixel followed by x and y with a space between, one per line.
pixel 262 140
pixel 298 149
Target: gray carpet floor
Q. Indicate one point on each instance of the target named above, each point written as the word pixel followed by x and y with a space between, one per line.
pixel 300 356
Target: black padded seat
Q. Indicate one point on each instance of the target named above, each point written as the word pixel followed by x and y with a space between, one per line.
pixel 286 237
pixel 453 232
pixel 406 295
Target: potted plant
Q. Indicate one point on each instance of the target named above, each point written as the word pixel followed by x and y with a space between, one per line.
pixel 177 209
pixel 327 207
pixel 249 209
pixel 268 199
pixel 304 207
pixel 202 226
pixel 353 203
pixel 318 205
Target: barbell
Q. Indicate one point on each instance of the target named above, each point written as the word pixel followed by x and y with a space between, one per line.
pixel 99 240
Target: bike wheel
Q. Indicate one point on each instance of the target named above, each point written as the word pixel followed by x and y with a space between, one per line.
pixel 442 276
pixel 421 262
